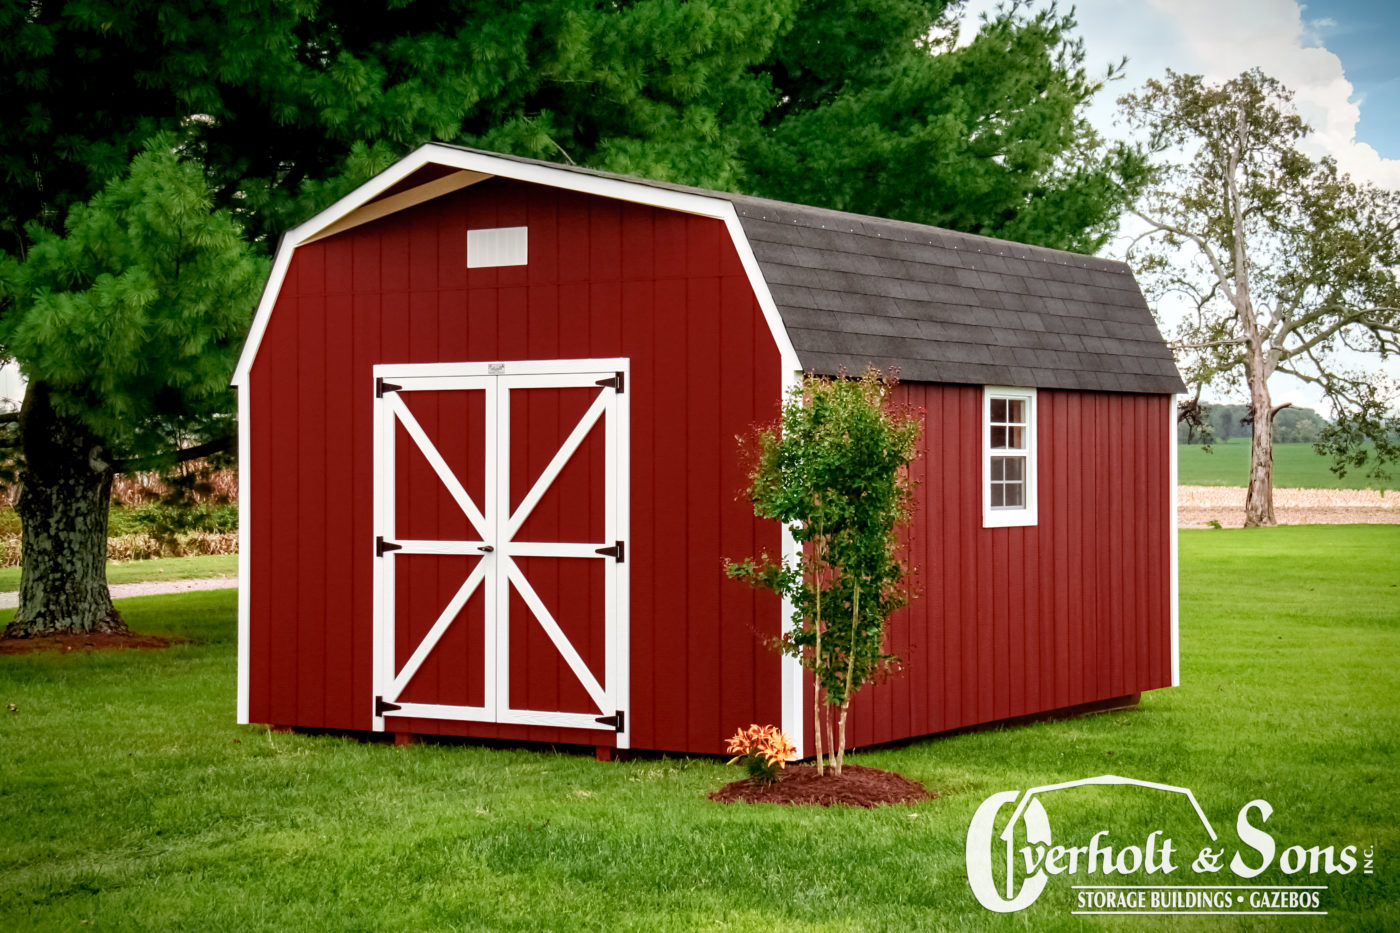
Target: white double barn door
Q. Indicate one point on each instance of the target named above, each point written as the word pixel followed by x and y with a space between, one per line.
pixel 500 507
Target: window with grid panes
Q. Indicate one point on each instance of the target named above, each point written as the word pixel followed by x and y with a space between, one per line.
pixel 1008 495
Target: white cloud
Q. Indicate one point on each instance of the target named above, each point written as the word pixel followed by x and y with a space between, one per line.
pixel 1220 40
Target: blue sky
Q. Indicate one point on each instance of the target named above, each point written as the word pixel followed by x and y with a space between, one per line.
pixel 1365 35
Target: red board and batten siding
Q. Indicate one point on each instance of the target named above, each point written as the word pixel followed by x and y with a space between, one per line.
pixel 604 279
pixel 1016 621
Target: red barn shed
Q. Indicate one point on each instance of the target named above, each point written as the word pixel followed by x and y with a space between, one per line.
pixel 487 413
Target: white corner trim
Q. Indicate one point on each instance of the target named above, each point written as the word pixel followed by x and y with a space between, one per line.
pixel 718 208
pixel 245 513
pixel 793 707
pixel 1172 548
pixel 1004 517
pixel 794 704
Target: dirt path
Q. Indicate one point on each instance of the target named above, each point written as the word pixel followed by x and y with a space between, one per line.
pixel 1197 506
pixel 154 588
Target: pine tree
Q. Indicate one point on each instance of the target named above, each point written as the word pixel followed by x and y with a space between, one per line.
pixel 127 325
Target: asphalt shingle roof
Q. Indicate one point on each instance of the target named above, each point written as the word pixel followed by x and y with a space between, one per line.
pixel 942 306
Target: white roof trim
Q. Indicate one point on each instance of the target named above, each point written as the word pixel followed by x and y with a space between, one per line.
pixel 476 162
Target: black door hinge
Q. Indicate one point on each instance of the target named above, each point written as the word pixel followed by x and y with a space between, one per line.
pixel 617 720
pixel 617 552
pixel 380 387
pixel 382 706
pixel 614 383
pixel 381 546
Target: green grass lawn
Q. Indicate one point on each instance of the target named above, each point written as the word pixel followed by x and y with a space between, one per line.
pixel 130 800
pixel 1296 466
pixel 141 571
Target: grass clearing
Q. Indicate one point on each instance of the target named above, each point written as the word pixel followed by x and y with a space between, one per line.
pixel 1296 466
pixel 132 801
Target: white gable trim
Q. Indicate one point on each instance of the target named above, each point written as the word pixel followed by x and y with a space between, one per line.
pixel 486 165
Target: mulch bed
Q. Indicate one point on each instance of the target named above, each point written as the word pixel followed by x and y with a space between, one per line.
pixel 856 787
pixel 92 641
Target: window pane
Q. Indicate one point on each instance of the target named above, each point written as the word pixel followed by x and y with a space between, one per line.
pixel 998 438
pixel 1016 438
pixel 1016 409
pixel 998 410
pixel 1014 495
pixel 1013 469
pixel 998 495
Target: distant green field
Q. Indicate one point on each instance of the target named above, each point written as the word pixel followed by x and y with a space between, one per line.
pixel 1296 466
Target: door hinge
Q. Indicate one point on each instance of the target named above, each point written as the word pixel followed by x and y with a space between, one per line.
pixel 614 383
pixel 380 387
pixel 617 552
pixel 381 546
pixel 382 706
pixel 617 720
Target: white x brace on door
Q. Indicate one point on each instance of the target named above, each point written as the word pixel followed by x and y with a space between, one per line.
pixel 456 547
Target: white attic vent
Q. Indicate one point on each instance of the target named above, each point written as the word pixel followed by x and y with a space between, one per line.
pixel 497 246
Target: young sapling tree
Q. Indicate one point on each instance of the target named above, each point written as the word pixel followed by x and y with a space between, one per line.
pixel 835 469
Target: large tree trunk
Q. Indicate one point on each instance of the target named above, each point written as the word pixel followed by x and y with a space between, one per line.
pixel 65 488
pixel 1259 500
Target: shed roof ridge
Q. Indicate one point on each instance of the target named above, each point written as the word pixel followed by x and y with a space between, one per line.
pixel 737 198
pixel 1005 277
pixel 974 240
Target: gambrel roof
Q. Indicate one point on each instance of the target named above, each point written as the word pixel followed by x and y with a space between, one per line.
pixel 842 291
pixel 952 307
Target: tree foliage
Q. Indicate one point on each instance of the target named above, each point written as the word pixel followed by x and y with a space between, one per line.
pixel 835 468
pixel 1286 261
pixel 881 111
pixel 132 317
pixel 862 106
pixel 288 105
pixel 281 108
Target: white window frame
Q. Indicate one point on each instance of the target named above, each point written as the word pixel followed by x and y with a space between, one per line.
pixel 1009 516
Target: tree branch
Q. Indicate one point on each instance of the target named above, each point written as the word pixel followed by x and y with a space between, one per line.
pixel 1235 342
pixel 1351 318
pixel 1201 244
pixel 183 455
pixel 1333 387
